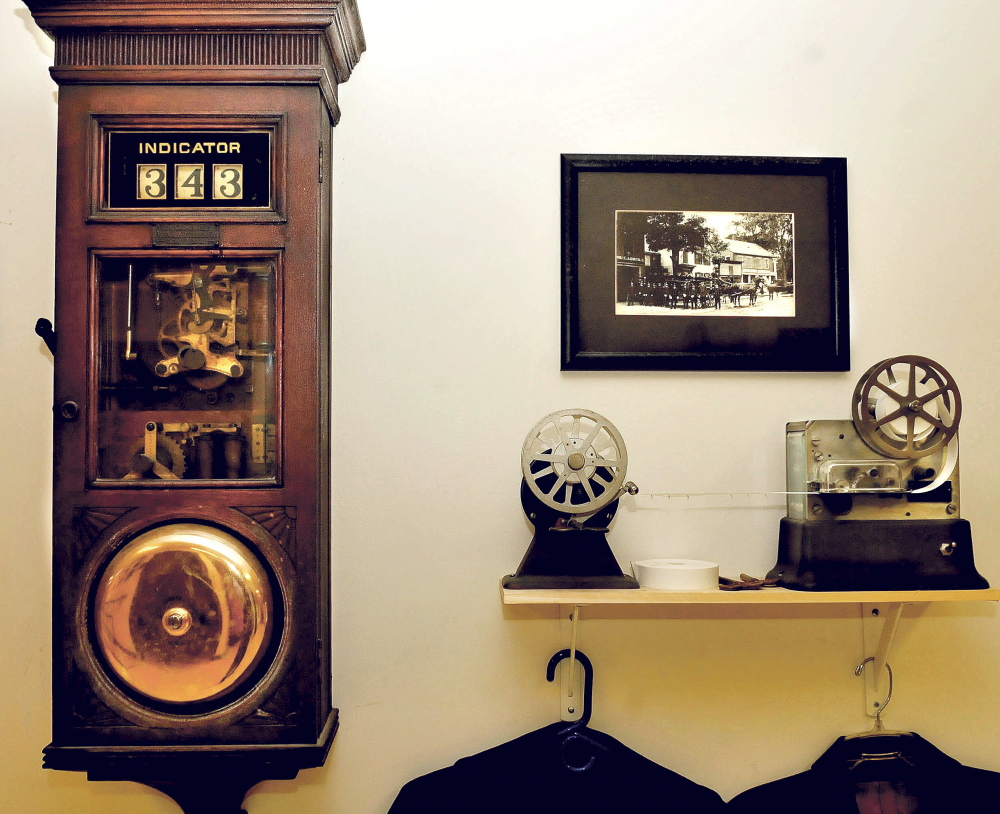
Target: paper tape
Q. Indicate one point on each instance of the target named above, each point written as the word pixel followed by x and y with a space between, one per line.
pixel 677 574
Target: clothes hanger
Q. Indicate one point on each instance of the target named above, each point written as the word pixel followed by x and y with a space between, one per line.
pixel 878 743
pixel 588 680
pixel 578 750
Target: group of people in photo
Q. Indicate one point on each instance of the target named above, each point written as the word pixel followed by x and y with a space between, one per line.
pixel 681 291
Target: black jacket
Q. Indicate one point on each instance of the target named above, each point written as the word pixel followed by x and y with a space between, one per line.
pixel 909 774
pixel 529 775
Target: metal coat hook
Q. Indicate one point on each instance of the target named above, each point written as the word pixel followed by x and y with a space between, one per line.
pixel 879 706
pixel 879 624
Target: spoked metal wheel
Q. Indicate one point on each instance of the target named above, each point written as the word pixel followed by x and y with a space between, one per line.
pixel 906 407
pixel 574 461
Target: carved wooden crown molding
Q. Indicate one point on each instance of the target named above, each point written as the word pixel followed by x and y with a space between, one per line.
pixel 188 41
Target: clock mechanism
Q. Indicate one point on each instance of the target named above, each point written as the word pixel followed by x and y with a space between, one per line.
pixel 187 369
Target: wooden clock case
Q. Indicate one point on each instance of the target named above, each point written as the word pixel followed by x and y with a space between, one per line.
pixel 150 438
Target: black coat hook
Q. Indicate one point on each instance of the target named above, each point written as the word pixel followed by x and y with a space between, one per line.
pixel 578 749
pixel 588 681
pixel 43 328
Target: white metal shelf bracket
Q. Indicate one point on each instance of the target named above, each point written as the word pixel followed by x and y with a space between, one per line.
pixel 571 686
pixel 879 622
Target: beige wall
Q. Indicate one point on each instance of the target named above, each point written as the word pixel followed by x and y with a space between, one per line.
pixel 446 310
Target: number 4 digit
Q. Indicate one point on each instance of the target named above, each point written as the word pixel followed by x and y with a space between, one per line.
pixel 189 181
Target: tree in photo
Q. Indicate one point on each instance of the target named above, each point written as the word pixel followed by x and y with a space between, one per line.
pixel 677 232
pixel 772 232
pixel 715 247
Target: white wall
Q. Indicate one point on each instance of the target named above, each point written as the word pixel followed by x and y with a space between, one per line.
pixel 446 248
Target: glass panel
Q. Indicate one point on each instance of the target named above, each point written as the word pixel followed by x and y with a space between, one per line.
pixel 183 613
pixel 186 369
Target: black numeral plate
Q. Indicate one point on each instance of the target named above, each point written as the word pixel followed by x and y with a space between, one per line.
pixel 184 169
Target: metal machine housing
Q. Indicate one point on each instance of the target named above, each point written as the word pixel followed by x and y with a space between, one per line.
pixel 858 520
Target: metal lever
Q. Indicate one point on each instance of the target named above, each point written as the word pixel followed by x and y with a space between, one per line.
pixel 44 329
pixel 579 521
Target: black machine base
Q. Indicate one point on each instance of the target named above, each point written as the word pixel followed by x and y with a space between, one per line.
pixel 876 555
pixel 570 558
pixel 200 779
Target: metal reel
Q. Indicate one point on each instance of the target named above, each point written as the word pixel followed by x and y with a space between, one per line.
pixel 906 407
pixel 574 461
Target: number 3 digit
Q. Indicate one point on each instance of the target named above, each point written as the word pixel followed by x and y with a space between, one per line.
pixel 155 177
pixel 228 181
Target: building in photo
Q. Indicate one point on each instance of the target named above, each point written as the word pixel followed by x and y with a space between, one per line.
pixel 746 262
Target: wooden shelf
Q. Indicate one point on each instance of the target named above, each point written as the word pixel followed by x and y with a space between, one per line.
pixel 766 596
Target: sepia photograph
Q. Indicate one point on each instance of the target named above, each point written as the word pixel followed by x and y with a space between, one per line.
pixel 704 263
pixel 722 263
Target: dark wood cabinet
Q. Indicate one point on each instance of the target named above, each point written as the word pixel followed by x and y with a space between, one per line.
pixel 191 419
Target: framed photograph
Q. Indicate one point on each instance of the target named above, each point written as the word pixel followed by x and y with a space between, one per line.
pixel 704 263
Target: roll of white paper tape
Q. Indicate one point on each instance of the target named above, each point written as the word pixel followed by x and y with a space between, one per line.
pixel 677 575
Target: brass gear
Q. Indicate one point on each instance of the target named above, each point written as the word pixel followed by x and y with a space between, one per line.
pixel 168 453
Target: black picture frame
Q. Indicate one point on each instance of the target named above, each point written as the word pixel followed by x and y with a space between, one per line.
pixel 604 328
